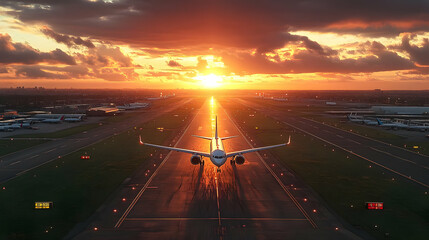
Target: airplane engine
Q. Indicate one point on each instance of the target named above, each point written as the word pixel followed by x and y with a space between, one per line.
pixel 239 159
pixel 195 159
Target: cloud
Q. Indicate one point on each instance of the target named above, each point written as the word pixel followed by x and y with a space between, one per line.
pixel 175 64
pixel 70 41
pixel 378 59
pixel 11 52
pixel 37 72
pixel 241 24
pixel 420 55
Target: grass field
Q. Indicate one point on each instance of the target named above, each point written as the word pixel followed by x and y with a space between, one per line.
pixel 345 182
pixel 78 187
pixel 8 146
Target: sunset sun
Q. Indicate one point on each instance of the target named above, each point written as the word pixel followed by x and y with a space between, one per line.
pixel 210 81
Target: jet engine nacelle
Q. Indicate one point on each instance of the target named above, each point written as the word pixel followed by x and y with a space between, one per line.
pixel 195 159
pixel 239 159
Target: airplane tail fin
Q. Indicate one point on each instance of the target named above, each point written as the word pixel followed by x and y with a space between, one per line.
pixel 216 135
pixel 379 122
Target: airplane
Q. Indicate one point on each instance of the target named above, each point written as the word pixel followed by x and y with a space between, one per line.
pixel 217 154
pixel 73 119
pixel 16 125
pixel 53 120
pixel 422 128
pixel 393 125
pixel 355 118
pixel 370 122
pixel 6 128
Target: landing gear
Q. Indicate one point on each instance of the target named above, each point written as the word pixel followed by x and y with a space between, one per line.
pixel 218 170
pixel 202 163
pixel 232 161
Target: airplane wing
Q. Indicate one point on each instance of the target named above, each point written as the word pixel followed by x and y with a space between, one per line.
pixel 256 149
pixel 204 154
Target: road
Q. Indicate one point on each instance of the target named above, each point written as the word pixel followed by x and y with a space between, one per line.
pixel 17 163
pixel 404 163
pixel 180 201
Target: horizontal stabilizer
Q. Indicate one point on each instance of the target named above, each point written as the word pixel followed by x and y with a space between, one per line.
pixel 224 138
pixel 207 138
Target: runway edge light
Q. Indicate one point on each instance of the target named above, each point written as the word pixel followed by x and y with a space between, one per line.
pixel 374 205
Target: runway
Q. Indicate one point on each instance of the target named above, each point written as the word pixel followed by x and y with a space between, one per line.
pixel 182 201
pixel 17 163
pixel 403 163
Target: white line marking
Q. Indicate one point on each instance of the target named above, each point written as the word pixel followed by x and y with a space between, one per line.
pixel 33 156
pixel 217 198
pixel 372 139
pixel 339 136
pixel 369 160
pixel 354 141
pixel 400 158
pixel 131 206
pixel 50 150
pixel 14 163
pixel 275 176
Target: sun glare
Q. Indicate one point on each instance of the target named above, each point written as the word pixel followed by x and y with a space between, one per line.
pixel 210 81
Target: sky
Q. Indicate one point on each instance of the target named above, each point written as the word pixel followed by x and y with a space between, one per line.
pixel 226 44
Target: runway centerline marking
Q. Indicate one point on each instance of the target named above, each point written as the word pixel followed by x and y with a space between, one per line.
pixel 33 156
pixel 217 199
pixel 50 150
pixel 300 208
pixel 133 203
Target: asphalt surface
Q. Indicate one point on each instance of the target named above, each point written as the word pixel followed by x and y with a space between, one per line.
pixel 172 199
pixel 17 163
pixel 404 163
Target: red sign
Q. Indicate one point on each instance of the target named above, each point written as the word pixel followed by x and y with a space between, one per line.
pixel 374 205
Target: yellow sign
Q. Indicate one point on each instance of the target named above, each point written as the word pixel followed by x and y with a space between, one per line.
pixel 43 205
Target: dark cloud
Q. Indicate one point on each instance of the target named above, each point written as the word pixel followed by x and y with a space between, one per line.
pixel 420 55
pixel 70 41
pixel 4 70
pixel 175 64
pixel 379 59
pixel 37 72
pixel 11 52
pixel 244 24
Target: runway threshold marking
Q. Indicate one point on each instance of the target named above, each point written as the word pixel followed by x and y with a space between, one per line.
pixel 300 208
pixel 351 152
pixel 214 219
pixel 143 189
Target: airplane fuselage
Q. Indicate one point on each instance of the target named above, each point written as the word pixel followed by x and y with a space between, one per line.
pixel 217 152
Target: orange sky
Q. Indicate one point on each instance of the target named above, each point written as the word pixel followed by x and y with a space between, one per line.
pixel 214 44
